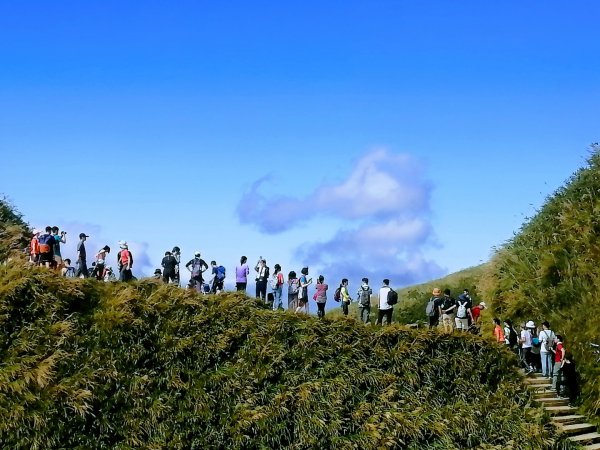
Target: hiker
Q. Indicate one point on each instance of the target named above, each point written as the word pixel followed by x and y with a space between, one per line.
pixel 67 271
pixel 176 252
pixel 125 262
pixel 447 310
pixel 303 291
pixel 101 263
pixel 218 279
pixel 109 274
pixel 526 344
pixel 432 310
pixel 241 275
pixel 535 350
pixel 345 298
pixel 559 360
pixel 569 378
pixel 157 275
pixel 498 332
pixel 476 311
pixel 197 266
pixel 46 248
pixel 293 288
pixel 34 248
pixel 321 296
pixel 386 309
pixel 262 276
pixel 169 264
pixel 511 338
pixel 58 239
pixel 463 311
pixel 364 301
pixel 277 287
pixel 82 270
pixel 546 337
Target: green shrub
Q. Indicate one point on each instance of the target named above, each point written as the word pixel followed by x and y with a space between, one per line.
pixel 92 365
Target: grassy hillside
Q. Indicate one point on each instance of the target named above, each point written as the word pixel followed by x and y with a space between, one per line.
pixel 92 365
pixel 551 270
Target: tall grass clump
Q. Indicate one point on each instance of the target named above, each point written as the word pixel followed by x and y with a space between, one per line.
pixel 550 271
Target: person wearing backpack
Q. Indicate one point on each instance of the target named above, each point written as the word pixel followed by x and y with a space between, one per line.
pixel 559 360
pixel 364 301
pixel 511 339
pixel 46 248
pixel 293 288
pixel 169 264
pixel 547 343
pixel 385 309
pixel 447 310
pixel 197 266
pixel 463 311
pixel 176 252
pixel 262 278
pixel 125 262
pixel 303 291
pixel 67 271
pixel 277 287
pixel 241 275
pixel 218 277
pixel 526 345
pixel 432 310
pixel 345 298
pixel 34 248
pixel 58 239
pixel 321 296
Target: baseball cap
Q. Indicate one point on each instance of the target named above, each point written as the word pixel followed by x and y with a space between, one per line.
pixel 82 235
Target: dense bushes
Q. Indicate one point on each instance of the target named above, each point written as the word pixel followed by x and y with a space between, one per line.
pixel 92 365
pixel 551 271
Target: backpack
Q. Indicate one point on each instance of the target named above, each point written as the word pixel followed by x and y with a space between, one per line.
pixel 293 289
pixel 124 257
pixel 430 309
pixel 196 268
pixel 220 273
pixel 392 297
pixel 70 272
pixel 275 282
pixel 44 246
pixel 461 313
pixel 337 295
pixel 512 337
pixel 365 296
pixel 549 343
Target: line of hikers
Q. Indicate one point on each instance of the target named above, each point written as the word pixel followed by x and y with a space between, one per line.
pixel 538 349
pixel 45 250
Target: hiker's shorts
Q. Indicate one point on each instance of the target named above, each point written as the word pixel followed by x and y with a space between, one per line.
pixel 462 324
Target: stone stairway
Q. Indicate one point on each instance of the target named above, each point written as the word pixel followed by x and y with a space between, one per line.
pixel 564 416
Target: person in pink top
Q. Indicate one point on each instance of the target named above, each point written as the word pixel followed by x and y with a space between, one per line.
pixel 321 296
pixel 241 275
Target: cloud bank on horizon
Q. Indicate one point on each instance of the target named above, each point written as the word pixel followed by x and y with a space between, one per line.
pixel 384 205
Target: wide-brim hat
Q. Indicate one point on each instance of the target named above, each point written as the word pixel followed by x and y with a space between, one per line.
pixel 437 291
pixel 530 324
pixel 483 305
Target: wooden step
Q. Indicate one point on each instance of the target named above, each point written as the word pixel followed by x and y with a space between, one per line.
pixel 570 419
pixel 541 394
pixel 589 438
pixel 591 447
pixel 553 401
pixel 560 410
pixel 536 381
pixel 577 428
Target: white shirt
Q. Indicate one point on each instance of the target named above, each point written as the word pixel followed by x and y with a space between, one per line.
pixel 526 338
pixel 545 336
pixel 383 294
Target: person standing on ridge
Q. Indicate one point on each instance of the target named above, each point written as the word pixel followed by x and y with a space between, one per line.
pixel 169 264
pixel 385 309
pixel 447 310
pixel 46 248
pixel 176 252
pixel 432 310
pixel 463 311
pixel 101 262
pixel 241 275
pixel 364 301
pixel 58 239
pixel 125 262
pixel 197 266
pixel 218 277
pixel 303 291
pixel 34 248
pixel 277 287
pixel 262 277
pixel 321 296
pixel 476 311
pixel 82 269
pixel 293 288
pixel 345 298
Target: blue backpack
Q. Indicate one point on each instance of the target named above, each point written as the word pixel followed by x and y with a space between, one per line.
pixel 220 273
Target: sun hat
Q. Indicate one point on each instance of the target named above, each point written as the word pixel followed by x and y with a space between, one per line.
pixel 157 271
pixel 123 244
pixel 437 291
pixel 530 324
pixel 197 254
pixel 483 304
pixel 36 231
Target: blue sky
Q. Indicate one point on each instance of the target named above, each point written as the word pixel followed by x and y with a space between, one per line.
pixel 390 139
